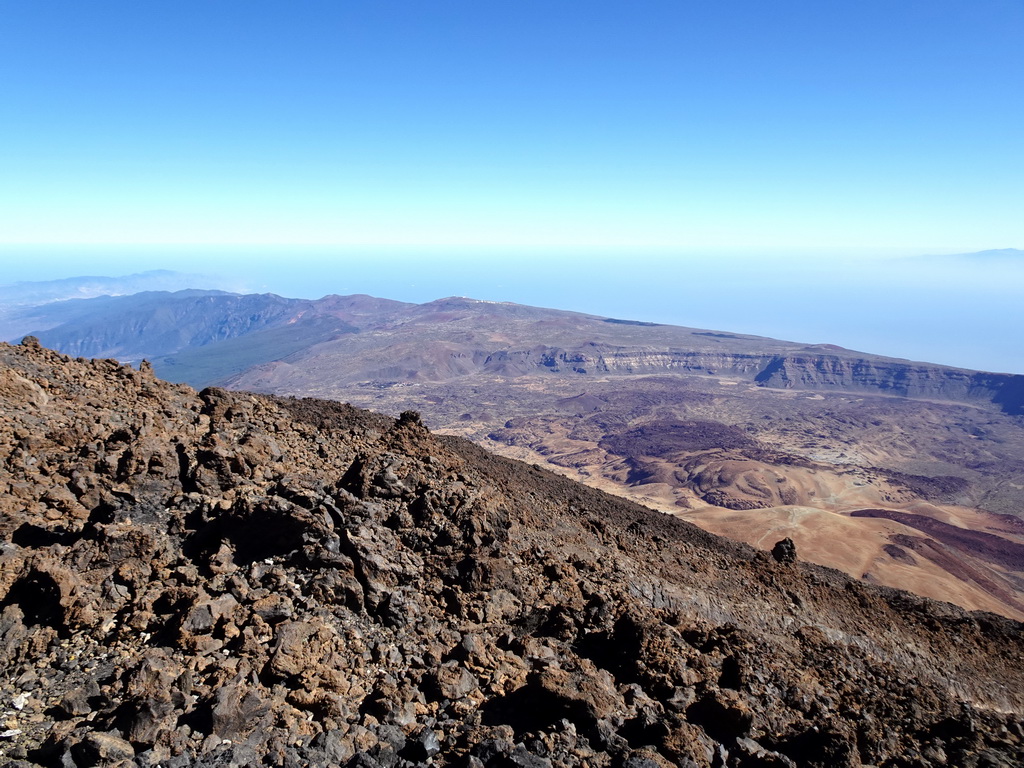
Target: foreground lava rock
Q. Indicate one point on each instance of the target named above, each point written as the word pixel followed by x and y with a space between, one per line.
pixel 226 579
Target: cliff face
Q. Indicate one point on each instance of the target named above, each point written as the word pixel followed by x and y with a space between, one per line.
pixel 227 579
pixel 598 358
pixel 829 372
pixel 824 372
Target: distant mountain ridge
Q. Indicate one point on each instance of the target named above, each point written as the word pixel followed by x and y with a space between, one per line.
pixel 153 324
pixel 37 305
pixel 36 292
pixel 156 323
pixel 267 342
pixel 996 253
pixel 990 255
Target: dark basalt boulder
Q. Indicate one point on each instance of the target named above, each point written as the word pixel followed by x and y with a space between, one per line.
pixel 784 551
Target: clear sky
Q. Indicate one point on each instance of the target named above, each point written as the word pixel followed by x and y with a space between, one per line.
pixel 743 165
pixel 514 123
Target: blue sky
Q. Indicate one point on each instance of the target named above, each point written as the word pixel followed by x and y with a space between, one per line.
pixel 772 168
pixel 514 124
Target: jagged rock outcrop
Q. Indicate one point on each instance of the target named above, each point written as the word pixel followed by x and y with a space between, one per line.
pixel 784 551
pixel 227 579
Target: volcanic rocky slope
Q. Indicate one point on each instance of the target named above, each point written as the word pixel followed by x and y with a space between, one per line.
pixel 229 579
pixel 749 437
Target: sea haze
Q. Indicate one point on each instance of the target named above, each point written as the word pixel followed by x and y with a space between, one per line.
pixel 953 309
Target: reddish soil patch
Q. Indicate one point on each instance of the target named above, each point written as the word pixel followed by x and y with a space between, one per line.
pixel 985 546
pixel 952 564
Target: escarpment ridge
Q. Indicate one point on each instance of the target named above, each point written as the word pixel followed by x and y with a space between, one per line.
pixel 232 579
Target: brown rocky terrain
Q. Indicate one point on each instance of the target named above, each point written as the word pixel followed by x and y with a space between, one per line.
pixel 223 579
pixel 758 464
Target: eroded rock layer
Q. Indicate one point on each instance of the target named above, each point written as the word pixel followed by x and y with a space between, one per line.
pixel 228 579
